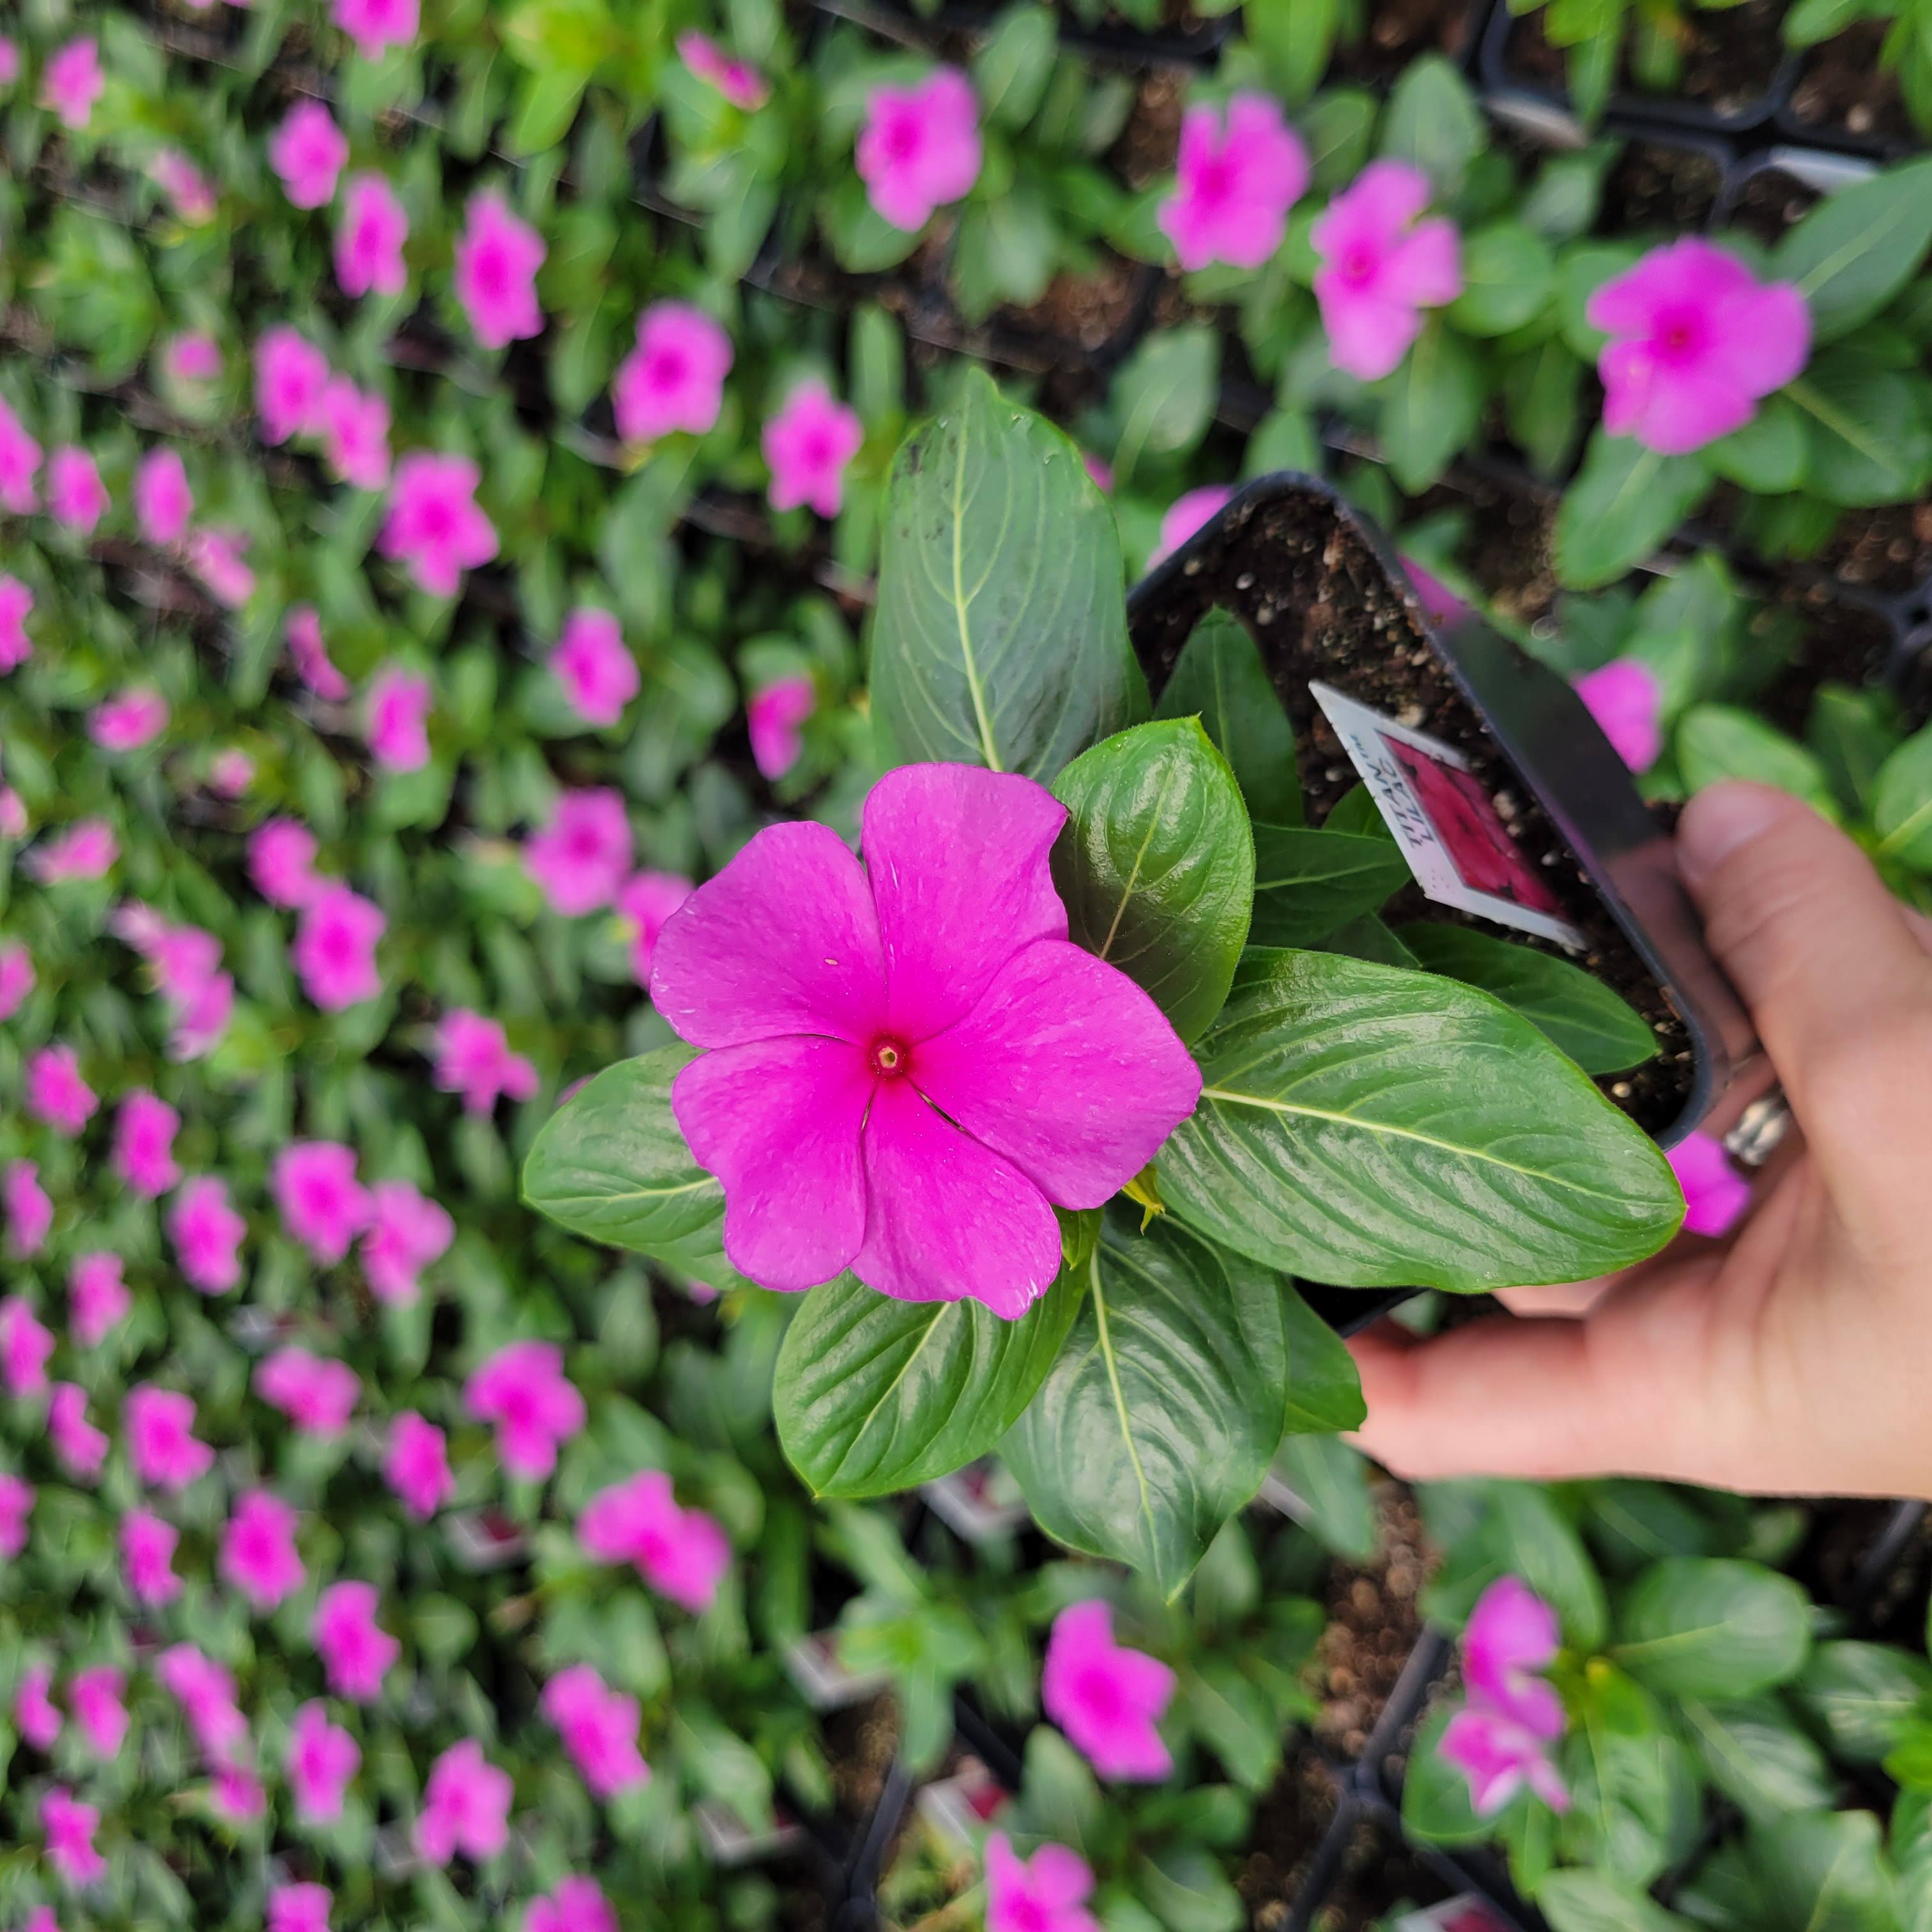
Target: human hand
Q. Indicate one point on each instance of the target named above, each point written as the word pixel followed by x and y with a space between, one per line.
pixel 1796 1358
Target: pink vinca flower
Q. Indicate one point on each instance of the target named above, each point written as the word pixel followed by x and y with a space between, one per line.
pixel 161 1443
pixel 1234 184
pixel 56 1094
pixel 1715 1194
pixel 473 1058
pixel 376 25
pixel 354 425
pixel 396 717
pixel 16 1504
pixel 369 236
pixel 86 850
pixel 1046 1893
pixel 207 1233
pixel 72 82
pixel 36 1716
pixel 772 716
pixel 29 1212
pixel 434 525
pixel 1380 267
pixel 317 1394
pixel 497 258
pixel 1498 1739
pixel 465 1806
pixel 334 949
pixel 323 1205
pixel 76 495
pixel 163 501
pixel 94 1697
pixel 1108 1700
pixel 19 459
pixel 583 857
pixel 237 1794
pixel 290 375
pixel 97 1301
pixel 299 1908
pixel 128 720
pixel 206 1692
pixel 185 185
pixel 681 1553
pixel 144 1141
pixel 308 152
pixel 321 1759
pixel 281 862
pixel 417 1465
pixel 807 446
pixel 920 147
pixel 192 357
pixel 644 902
pixel 230 772
pixel 914 1111
pixel 1625 699
pixel 522 1389
pixel 81 1446
pixel 9 62
pixel 311 655
pixel 26 1344
pixel 407 1231
pixel 674 378
pixel 576 1905
pixel 744 86
pixel 1695 341
pixel 16 976
pixel 1187 514
pixel 598 674
pixel 148 1557
pixel 69 1826
pixel 16 606
pixel 215 556
pixel 258 1550
pixel 599 1728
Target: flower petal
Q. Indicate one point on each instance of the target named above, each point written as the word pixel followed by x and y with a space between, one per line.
pixel 1767 337
pixel 1427 268
pixel 1367 335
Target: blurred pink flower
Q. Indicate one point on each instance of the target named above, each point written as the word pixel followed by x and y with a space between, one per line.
pixel 16 606
pixel 1187 514
pixel 417 1465
pixel 323 1206
pixel 316 1393
pixel 35 1715
pixel 162 1446
pixel 205 1691
pixel 76 495
pixel 16 976
pixel 94 1696
pixel 9 62
pixel 192 357
pixel 299 1908
pixel 69 1826
pixel 230 772
pixel 407 1231
pixel 321 1759
pixel 81 1446
pixel 473 1058
pixel 807 446
pixel 522 1389
pixel 466 1806
pixel 207 1234
pixel 644 903
pixel 395 714
pixel 674 378
pixel 311 655
pixel 599 1728
pixel 434 525
pixel 1625 699
pixel 258 1550
pixel 1234 185
pixel 129 720
pixel 744 86
pixel 214 556
pixel 920 147
pixel 1108 1700
pixel 29 1212
pixel 773 716
pixel 144 1139
pixel 87 849
pixel 147 1559
pixel 334 949
pixel 12 814
pixel 236 1794
pixel 583 857
pixel 19 459
pixel 56 1094
pixel 186 962
pixel 16 1504
pixel 497 258
pixel 681 1553
pixel 375 25
pixel 26 1344
pixel 1381 267
pixel 1715 1194
pixel 1100 470
pixel 1497 1740
pixel 97 1301
pixel 1046 1893
pixel 72 82
pixel 308 152
pixel 163 501
pixel 370 235
pixel 281 862
pixel 598 672
pixel 354 425
pixel 576 1905
pixel 290 375
pixel 356 1652
pixel 185 185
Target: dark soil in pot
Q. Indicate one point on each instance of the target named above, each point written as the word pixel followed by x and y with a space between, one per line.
pixel 1731 58
pixel 1658 186
pixel 1399 31
pixel 1841 88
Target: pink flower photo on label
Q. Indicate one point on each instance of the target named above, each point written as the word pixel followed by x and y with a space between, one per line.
pixel 583 857
pixel 310 656
pixel 94 1696
pixel 162 1446
pixel 97 1301
pixel 281 862
pixel 317 1394
pixel 215 556
pixel 163 501
pixel 1697 340
pixel 807 446
pixel 144 1138
pixel 1108 1700
pixel 1499 1739
pixel 417 1465
pixel 681 1553
pixel 207 1234
pixel 334 949
pixel 308 152
pixel 126 722
pixel 69 1826
pixel 86 850
pixel 919 148
pixel 376 25
pixel 26 1345
pixel 185 185
pixel 522 1389
pixel 473 1058
pixel 16 976
pixel 741 85
pixel 81 1447
pixel 72 82
pixel 56 1094
pixel 1716 1195
pixel 465 1806
pixel 354 425
pixel 599 1728
pixel 1187 514
pixel 674 378
pixel 322 1205
pixel 1046 1893
pixel 1234 184
pixel 909 1064
pixel 1625 699
pixel 407 1231
pixel 299 1908
pixel 36 1716
pixel 396 717
pixel 320 1760
pixel 576 1905
pixel 16 1505
pixel 369 238
pixel 16 606
pixel 356 1652
pixel 598 674
pixel 497 258
pixel 434 526
pixel 148 1557
pixel 76 495
pixel 29 1212
pixel 773 717
pixel 192 357
pixel 258 1550
pixel 290 375
pixel 644 903
pixel 1380 267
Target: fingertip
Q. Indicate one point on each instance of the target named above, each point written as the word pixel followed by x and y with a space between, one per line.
pixel 1724 818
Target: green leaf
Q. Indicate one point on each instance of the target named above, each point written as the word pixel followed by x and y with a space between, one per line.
pixel 1433 123
pixel 1163 398
pixel 863 241
pixel 1373 1127
pixel 1157 1421
pixel 1711 1627
pixel 1435 1805
pixel 1431 409
pixel 1309 884
pixel 874 1395
pixel 1853 730
pixel 1625 501
pixel 1508 273
pixel 1861 1693
pixel 1824 1871
pixel 1001 633
pixel 1769 453
pixel 1869 439
pixel 1582 271
pixel 1331 1481
pixel 1155 865
pixel 1231 1716
pixel 1531 1537
pixel 1719 741
pixel 1626 1792
pixel 1368 938
pixel 1294 39
pixel 1859 247
pixel 1593 1901
pixel 1220 677
pixel 1902 802
pixel 1758 1758
pixel 1599 1031
pixel 1011 70
pixel 1189 1892
pixel 1324 1390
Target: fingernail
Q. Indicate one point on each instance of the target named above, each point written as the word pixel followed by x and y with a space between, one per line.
pixel 1720 819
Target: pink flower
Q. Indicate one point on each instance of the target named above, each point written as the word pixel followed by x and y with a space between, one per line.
pixel 12 814
pixel 497 258
pixel 144 1140
pixel 163 501
pixel 407 1231
pixel 86 850
pixel 321 1759
pixel 215 557
pixel 375 25
pixel 1380 267
pixel 16 606
pixel 311 655
pixel 1715 1194
pixel 1696 339
pixel 185 185
pixel 681 1553
pixel 97 1301
pixel 192 357
pixel 316 1394
pixel 417 1465
pixel 94 1696
pixel 81 1446
pixel 16 1504
pixel 207 1234
pixel 1187 514
pixel 147 1559
pixel 1046 1893
pixel 29 1212
pixel 299 1908
pixel 161 1442
pixel 912 1111
pixel 1108 1700
pixel 807 445
pixel 308 152
pixel 644 902
pixel 434 525
pixel 230 772
pixel 584 855
pixel 598 675
pixel 20 458
pixel 290 375
pixel 16 976
pixel 1100 470
pixel 334 949
pixel 599 1728
pixel 370 235
pixel 26 1344
pixel 258 1550
pixel 522 1389
pixel 206 1692
pixel 281 862
pixel 920 147
pixel 466 1806
pixel 354 425
pixel 773 716
pixel 69 1824
pixel 473 1058
pixel 1497 1739
pixel 9 62
pixel 236 1794
pixel 323 1206
pixel 1234 185
pixel 56 1094
pixel 1625 699
pixel 72 82
pixel 35 1714
pixel 128 720
pixel 674 378
pixel 745 87
pixel 398 706
pixel 76 495
pixel 576 1905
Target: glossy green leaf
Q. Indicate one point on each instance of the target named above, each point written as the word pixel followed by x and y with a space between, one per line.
pixel 1757 1757
pixel 1593 1901
pixel 1309 884
pixel 1853 252
pixel 1530 1536
pixel 1331 1481
pixel 1324 1390
pixel 1852 731
pixel 1902 802
pixel 1625 501
pixel 1370 938
pixel 1162 400
pixel 1431 408
pixel 1219 678
pixel 1869 429
pixel 1189 1892
pixel 1000 638
pixel 1824 1871
pixel 1720 741
pixel 1711 1626
pixel 1630 1794
pixel 1508 273
pixel 1433 122
pixel 1155 865
pixel 1861 1693
pixel 1369 1126
pixel 1769 453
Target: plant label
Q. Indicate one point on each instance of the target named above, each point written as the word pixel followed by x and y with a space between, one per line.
pixel 1468 1913
pixel 812 1664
